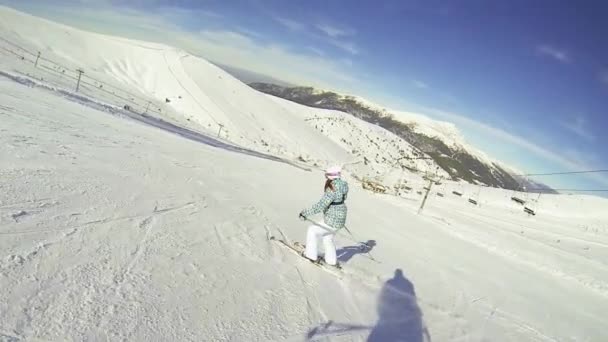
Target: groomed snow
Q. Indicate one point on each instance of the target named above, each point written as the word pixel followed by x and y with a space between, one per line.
pixel 113 229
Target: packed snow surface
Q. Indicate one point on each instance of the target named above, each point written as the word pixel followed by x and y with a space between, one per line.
pixel 115 228
pixel 112 229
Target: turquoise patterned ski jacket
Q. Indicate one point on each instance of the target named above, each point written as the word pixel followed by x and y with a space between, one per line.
pixel 332 204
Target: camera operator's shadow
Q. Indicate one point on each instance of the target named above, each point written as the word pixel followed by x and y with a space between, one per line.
pixel 399 317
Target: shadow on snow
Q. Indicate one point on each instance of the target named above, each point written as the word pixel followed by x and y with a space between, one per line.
pixel 346 253
pixel 399 317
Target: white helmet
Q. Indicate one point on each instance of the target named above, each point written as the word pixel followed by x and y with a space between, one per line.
pixel 333 172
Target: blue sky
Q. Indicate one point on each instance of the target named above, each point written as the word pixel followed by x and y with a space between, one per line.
pixel 525 81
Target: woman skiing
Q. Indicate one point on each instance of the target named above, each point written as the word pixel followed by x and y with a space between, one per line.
pixel 334 212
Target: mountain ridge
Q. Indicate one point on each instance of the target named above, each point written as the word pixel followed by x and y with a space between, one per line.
pixel 458 160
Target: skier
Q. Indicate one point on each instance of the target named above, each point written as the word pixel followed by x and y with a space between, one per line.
pixel 334 216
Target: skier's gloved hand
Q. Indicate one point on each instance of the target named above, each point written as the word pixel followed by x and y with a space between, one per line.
pixel 302 217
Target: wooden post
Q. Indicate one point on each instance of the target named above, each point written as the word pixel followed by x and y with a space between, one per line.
pixel 80 72
pixel 220 130
pixel 147 107
pixel 37 58
pixel 426 196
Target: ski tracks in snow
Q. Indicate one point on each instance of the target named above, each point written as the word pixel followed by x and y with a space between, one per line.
pixel 66 232
pixel 314 283
pixel 315 314
pixel 592 282
pixel 146 226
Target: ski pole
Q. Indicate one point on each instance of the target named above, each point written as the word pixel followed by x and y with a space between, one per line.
pixel 366 245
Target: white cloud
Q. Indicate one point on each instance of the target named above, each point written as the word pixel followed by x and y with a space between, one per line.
pixel 239 47
pixel 347 62
pixel 250 33
pixel 335 32
pixel 210 14
pixel 189 13
pixel 419 84
pixel 579 127
pixel 275 60
pixel 335 36
pixel 346 46
pixel 557 54
pixel 316 50
pixel 125 21
pixel 580 157
pixel 290 24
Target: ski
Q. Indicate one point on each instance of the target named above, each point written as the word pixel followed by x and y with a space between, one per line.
pixel 298 249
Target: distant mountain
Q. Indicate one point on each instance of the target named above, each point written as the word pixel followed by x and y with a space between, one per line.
pixel 533 186
pixel 247 76
pixel 459 161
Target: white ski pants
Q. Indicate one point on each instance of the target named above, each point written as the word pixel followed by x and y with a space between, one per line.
pixel 327 235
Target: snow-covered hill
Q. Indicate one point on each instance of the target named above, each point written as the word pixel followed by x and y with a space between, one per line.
pixel 376 153
pixel 440 140
pixel 202 96
pixel 445 131
pixel 112 230
pixel 117 227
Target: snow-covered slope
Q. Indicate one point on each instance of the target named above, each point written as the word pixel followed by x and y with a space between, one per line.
pixel 446 132
pixel 443 130
pixel 376 153
pixel 111 230
pixel 201 95
pixel 440 141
